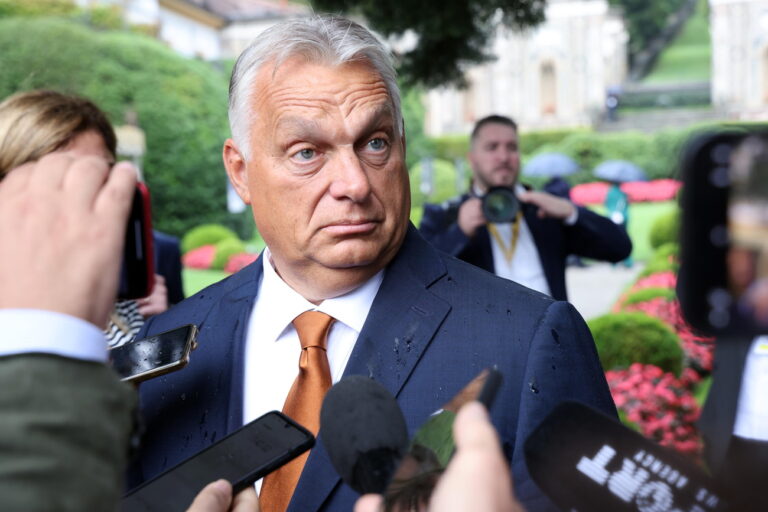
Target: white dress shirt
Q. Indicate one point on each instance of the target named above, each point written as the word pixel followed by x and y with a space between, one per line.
pixel 752 412
pixel 273 349
pixel 40 331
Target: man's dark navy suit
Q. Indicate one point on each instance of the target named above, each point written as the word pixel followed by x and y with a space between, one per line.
pixel 434 324
pixel 592 236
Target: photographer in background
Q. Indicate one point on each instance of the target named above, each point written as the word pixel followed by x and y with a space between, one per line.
pixel 531 246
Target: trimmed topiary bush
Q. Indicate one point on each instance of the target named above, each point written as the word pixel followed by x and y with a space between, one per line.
pixel 626 338
pixel 225 249
pixel 206 234
pixel 647 294
pixel 666 252
pixel 665 229
pixel 657 266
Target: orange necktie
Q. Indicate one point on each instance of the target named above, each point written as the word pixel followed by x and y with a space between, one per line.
pixel 303 404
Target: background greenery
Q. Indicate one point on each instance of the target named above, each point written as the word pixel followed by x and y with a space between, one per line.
pixel 688 57
pixel 181 105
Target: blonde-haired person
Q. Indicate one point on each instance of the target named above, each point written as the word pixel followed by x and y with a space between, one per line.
pixel 36 123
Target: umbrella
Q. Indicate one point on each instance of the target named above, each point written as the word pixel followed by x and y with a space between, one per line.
pixel 619 171
pixel 550 164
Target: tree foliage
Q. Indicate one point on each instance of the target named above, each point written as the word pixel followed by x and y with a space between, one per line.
pixel 181 105
pixel 451 35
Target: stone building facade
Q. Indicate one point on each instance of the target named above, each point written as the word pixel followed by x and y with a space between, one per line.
pixel 556 75
pixel 739 83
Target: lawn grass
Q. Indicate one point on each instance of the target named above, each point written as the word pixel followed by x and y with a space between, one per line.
pixel 688 57
pixel 641 219
pixel 195 280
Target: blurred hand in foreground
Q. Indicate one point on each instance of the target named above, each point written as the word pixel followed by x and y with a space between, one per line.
pixel 58 216
pixel 477 478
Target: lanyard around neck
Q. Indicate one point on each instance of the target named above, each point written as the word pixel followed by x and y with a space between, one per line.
pixel 507 251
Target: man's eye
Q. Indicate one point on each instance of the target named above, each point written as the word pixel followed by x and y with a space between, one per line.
pixel 306 154
pixel 377 144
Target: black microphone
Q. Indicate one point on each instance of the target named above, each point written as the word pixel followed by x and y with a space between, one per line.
pixel 586 461
pixel 364 432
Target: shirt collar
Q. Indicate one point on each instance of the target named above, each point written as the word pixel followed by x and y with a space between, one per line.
pixel 285 303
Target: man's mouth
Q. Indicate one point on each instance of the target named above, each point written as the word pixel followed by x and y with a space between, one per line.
pixel 350 227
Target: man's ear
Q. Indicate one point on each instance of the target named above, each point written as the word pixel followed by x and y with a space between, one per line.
pixel 236 170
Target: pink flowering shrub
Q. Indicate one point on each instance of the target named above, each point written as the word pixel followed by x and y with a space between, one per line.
pixel 238 261
pixel 661 405
pixel 200 258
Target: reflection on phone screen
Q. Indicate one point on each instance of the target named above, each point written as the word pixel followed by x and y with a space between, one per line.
pixel 157 352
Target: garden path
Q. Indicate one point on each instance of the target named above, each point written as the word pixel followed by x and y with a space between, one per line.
pixel 594 289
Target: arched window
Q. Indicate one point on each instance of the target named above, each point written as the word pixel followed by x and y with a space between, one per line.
pixel 548 92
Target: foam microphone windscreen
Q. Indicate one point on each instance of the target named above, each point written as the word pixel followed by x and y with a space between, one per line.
pixel 364 432
pixel 586 461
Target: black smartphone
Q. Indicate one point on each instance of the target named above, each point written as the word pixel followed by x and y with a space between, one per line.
pixel 723 278
pixel 242 457
pixel 137 274
pixel 146 358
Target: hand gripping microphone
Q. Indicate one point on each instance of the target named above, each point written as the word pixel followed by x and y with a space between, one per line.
pixel 364 432
pixel 586 461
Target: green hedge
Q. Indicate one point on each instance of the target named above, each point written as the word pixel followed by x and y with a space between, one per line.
pixel 647 294
pixel 669 251
pixel 181 105
pixel 657 266
pixel 665 229
pixel 626 338
pixel 225 249
pixel 206 234
pixel 443 181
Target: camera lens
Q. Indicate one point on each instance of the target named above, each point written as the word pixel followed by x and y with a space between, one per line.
pixel 500 205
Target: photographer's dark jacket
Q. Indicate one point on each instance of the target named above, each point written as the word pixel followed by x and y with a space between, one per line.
pixel 592 236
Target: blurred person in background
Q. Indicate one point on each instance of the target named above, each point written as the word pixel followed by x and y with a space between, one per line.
pixel 532 248
pixel 37 123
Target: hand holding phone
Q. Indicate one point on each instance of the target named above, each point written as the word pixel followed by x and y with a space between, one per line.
pixel 241 458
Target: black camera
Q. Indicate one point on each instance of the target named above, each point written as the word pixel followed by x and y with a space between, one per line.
pixel 500 205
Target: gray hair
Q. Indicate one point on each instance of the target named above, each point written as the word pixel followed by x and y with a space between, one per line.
pixel 320 39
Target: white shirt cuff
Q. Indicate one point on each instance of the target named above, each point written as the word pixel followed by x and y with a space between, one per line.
pixel 572 218
pixel 28 331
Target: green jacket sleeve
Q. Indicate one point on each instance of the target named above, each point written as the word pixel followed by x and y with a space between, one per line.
pixel 64 434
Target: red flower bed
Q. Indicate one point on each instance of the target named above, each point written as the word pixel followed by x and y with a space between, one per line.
pixel 238 261
pixel 660 404
pixel 637 191
pixel 666 279
pixel 200 258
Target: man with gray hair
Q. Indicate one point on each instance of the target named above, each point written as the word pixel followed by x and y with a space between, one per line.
pixel 346 285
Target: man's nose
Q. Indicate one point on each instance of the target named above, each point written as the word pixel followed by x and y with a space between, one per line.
pixel 503 154
pixel 349 178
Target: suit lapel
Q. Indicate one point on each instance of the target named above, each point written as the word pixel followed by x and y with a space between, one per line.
pixel 229 329
pixel 400 325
